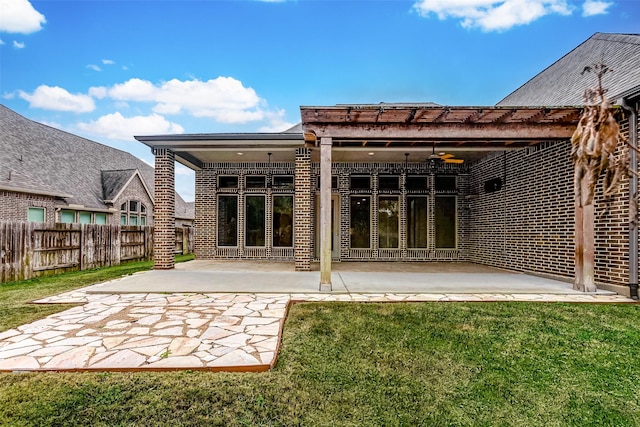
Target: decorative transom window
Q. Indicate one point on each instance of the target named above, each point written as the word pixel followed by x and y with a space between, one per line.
pixel 133 212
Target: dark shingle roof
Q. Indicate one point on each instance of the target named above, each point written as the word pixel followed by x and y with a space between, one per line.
pixel 563 84
pixel 43 159
pixel 113 181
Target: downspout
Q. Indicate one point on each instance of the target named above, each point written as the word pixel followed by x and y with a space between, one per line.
pixel 633 194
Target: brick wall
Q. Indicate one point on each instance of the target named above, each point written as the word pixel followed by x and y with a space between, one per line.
pixel 134 191
pixel 14 206
pixel 164 230
pixel 305 200
pixel 303 227
pixel 528 225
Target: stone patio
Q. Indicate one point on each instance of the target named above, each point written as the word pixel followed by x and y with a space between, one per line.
pixel 212 331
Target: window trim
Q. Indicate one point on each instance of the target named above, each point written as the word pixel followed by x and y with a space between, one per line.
pixel 351 226
pixel 396 198
pixel 139 212
pixel 264 221
pixel 273 216
pixel 218 228
pixel 37 208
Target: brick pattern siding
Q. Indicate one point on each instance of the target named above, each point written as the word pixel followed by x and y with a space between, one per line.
pixel 305 199
pixel 302 203
pixel 15 206
pixel 529 224
pixel 165 197
pixel 134 191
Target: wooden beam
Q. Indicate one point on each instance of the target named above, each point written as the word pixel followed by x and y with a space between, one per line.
pixel 325 214
pixel 442 131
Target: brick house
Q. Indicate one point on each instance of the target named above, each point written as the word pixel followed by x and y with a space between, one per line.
pixel 409 182
pixel 47 175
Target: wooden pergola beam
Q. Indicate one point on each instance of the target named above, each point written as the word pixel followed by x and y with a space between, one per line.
pixel 444 131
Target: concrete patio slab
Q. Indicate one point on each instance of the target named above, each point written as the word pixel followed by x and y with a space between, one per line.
pixel 398 278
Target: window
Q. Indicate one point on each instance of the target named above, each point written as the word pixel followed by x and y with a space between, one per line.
pixel 84 217
pixel 417 222
pixel 67 216
pixel 361 182
pixel 388 182
pixel 100 218
pixel 388 208
pixel 254 221
pixel 445 222
pixel 133 212
pixel 360 221
pixel 282 221
pixel 253 181
pixel 283 182
pixel 36 214
pixel 334 181
pixel 228 181
pixel 416 183
pixel 445 183
pixel 227 220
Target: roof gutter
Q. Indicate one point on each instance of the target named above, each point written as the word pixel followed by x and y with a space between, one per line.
pixel 632 109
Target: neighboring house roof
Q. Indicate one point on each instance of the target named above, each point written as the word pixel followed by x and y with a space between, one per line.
pixel 563 83
pixel 45 160
pixel 114 183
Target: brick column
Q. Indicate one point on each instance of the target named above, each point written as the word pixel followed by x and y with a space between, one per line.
pixel 302 210
pixel 164 230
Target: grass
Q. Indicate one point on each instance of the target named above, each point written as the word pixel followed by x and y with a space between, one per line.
pixel 357 364
pixel 15 297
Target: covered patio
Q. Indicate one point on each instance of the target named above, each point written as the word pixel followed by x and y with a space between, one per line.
pixel 387 155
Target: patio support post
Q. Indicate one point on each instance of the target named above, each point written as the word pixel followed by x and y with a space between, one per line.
pixel 325 213
pixel 164 222
pixel 302 209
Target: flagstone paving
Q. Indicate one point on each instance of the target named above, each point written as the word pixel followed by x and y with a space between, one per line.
pixel 185 331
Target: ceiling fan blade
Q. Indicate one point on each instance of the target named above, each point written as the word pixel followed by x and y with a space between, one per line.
pixel 456 161
pixel 446 156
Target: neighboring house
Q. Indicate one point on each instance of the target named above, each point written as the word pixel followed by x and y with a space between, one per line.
pixel 564 82
pixel 47 175
pixel 385 182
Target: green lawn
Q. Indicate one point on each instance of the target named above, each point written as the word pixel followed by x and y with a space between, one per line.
pixel 376 364
pixel 15 297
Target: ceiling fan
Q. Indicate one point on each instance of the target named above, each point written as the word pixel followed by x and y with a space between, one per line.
pixel 446 157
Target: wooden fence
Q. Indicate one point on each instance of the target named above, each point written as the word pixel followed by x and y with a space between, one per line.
pixel 30 249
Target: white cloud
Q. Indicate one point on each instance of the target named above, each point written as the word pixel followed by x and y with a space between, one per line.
pixel 98 92
pixel 19 16
pixel 1 42
pixel 108 61
pixel 94 67
pixel 184 171
pixel 595 7
pixel 18 45
pixel 224 99
pixel 59 99
pixel 117 127
pixel 492 15
pixel 276 122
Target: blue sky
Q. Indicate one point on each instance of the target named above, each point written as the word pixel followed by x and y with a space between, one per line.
pixel 108 70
